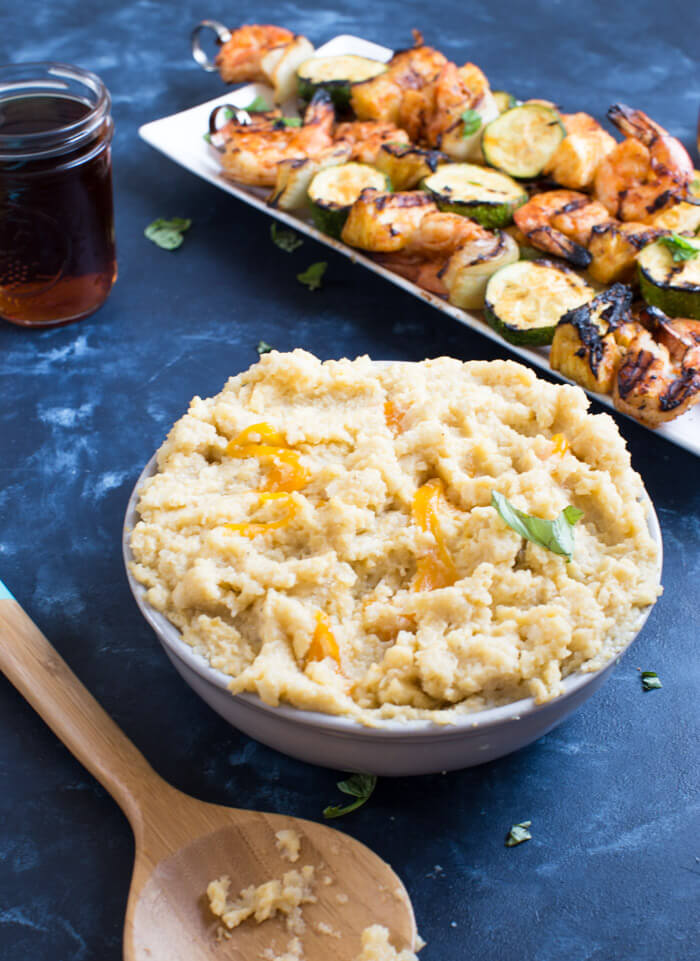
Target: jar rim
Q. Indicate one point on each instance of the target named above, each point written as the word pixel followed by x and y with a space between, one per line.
pixel 52 76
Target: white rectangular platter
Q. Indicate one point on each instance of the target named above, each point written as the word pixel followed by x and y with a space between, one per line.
pixel 180 137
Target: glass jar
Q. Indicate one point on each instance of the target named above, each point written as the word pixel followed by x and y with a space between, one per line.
pixel 57 254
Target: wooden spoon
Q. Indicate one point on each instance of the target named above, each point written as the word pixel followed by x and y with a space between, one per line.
pixel 182 844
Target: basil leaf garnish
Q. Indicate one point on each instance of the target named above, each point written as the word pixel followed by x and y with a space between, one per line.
pixel 556 536
pixel 259 105
pixel 681 248
pixel 313 275
pixel 359 786
pixel 284 238
pixel 650 681
pixel 168 234
pixel 471 121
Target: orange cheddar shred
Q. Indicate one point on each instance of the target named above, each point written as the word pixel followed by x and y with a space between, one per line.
pixel 561 444
pixel 436 569
pixel 393 416
pixel 286 473
pixel 253 528
pixel 323 642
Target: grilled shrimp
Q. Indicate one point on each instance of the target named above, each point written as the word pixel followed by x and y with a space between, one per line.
pixel 240 58
pixel 578 156
pixel 433 113
pixel 253 151
pixel 437 237
pixel 560 222
pixel 366 138
pixel 659 378
pixel 440 234
pixel 646 173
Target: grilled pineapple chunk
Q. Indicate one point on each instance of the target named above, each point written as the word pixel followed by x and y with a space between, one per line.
pixel 406 165
pixel 377 99
pixel 468 270
pixel 589 341
pixel 294 176
pixel 385 222
pixel 614 247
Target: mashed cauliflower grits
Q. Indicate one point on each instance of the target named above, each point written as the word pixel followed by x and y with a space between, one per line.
pixel 323 533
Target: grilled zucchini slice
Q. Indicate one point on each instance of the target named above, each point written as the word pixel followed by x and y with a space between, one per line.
pixel 406 165
pixel 294 177
pixel 332 193
pixel 525 300
pixel 487 196
pixel 589 341
pixel 468 270
pixel 336 75
pixel 522 140
pixel 673 286
pixel 385 222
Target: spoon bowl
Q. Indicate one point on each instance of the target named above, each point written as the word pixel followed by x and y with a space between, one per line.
pixel 168 916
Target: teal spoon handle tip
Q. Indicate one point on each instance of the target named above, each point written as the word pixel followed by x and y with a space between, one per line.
pixel 4 593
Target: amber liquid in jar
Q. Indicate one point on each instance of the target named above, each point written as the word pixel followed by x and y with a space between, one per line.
pixel 57 253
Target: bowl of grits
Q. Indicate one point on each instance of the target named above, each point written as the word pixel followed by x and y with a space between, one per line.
pixel 395 568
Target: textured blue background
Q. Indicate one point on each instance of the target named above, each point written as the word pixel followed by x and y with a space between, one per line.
pixel 613 870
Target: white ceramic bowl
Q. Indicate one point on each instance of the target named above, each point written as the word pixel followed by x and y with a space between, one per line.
pixel 392 748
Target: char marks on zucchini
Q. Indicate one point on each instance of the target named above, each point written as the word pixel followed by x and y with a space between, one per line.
pixel 525 300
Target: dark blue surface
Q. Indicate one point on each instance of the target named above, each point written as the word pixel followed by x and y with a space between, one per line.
pixel 613 870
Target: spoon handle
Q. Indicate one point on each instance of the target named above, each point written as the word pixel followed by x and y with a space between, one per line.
pixel 42 677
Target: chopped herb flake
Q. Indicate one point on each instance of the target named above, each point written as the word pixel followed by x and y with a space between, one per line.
pixel 650 681
pixel 518 833
pixel 206 136
pixel 471 122
pixel 259 105
pixel 291 121
pixel 263 348
pixel 284 238
pixel 556 536
pixel 681 248
pixel 359 786
pixel 313 275
pixel 168 234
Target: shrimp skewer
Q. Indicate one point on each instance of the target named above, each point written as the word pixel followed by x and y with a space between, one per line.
pixel 561 222
pixel 646 173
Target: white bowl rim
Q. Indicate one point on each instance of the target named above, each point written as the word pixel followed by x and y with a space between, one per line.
pixel 344 726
